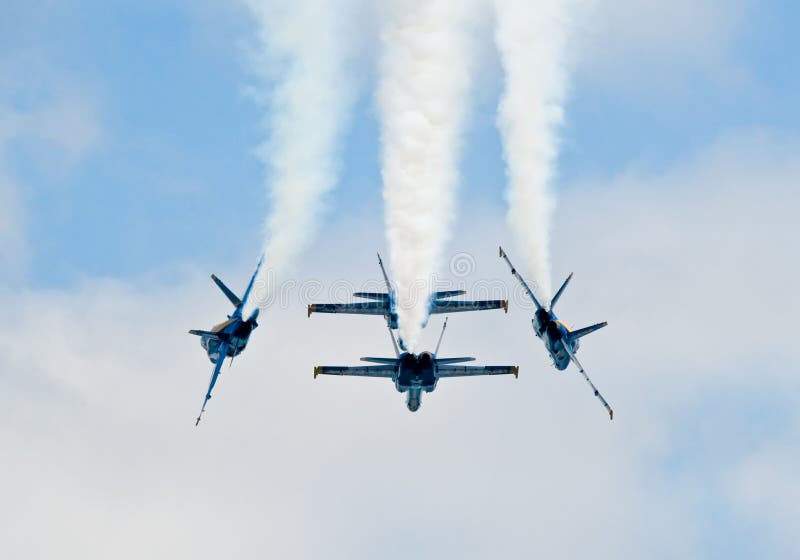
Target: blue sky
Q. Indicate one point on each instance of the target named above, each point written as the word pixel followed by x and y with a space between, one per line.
pixel 166 89
pixel 128 172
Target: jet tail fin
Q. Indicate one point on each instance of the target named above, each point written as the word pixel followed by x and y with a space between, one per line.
pixel 233 298
pixel 394 343
pixel 560 291
pixel 441 336
pixel 251 308
pixel 574 335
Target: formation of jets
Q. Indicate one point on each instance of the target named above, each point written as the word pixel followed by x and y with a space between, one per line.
pixel 385 304
pixel 411 373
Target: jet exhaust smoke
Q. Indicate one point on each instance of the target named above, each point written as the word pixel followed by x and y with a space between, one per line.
pixel 424 85
pixel 531 38
pixel 309 97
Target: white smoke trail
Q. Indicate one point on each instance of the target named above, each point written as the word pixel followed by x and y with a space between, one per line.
pixel 424 84
pixel 312 45
pixel 531 38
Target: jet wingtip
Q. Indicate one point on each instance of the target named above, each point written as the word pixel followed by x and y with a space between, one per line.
pixel 516 372
pixel 317 370
pixel 504 305
pixel 501 251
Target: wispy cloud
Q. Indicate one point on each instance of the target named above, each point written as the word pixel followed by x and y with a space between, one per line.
pixel 657 48
pixel 101 416
pixel 304 57
pixel 39 106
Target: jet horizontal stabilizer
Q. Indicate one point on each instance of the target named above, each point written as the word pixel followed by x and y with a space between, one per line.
pixel 389 361
pixel 574 335
pixel 445 361
pixel 207 334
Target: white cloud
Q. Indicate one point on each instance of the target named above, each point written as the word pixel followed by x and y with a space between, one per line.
pixel 70 124
pixel 658 47
pixel 705 242
pixel 764 488
pixel 101 385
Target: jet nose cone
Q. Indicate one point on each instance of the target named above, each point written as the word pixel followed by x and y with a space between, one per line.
pixel 414 401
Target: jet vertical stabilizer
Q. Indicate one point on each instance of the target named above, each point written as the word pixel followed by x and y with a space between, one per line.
pixel 233 298
pixel 560 291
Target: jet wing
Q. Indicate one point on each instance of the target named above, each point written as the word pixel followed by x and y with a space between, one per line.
pixel 360 308
pixel 466 371
pixel 387 371
pixel 223 351
pixel 586 377
pixel 372 295
pixel 522 281
pixel 448 293
pixel 439 306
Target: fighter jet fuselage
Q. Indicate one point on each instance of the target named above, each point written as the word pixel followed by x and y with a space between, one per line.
pixel 235 333
pixel 416 373
pixel 554 334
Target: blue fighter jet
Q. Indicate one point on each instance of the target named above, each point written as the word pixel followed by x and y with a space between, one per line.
pixel 385 304
pixel 415 373
pixel 228 339
pixel 561 342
